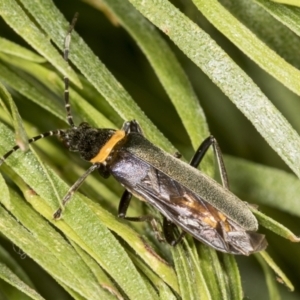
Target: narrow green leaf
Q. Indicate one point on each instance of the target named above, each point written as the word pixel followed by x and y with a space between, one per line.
pixel 208 269
pixel 240 89
pixel 200 280
pixel 42 97
pixel 11 263
pixel 164 291
pixel 7 275
pixel 272 32
pixel 249 44
pixel 290 2
pixel 22 238
pixel 214 273
pixel 288 15
pixel 184 273
pixel 73 294
pixel 274 226
pixel 166 66
pixel 20 83
pixel 281 276
pixel 98 242
pixel 17 19
pixel 52 21
pixel 14 49
pixel 261 184
pixel 9 105
pixel 270 280
pixel 102 278
pixel 156 263
pixel 232 271
pixel 57 246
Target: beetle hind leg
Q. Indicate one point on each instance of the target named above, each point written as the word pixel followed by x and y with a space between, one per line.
pixel 123 206
pixel 122 210
pixel 201 151
pixel 169 229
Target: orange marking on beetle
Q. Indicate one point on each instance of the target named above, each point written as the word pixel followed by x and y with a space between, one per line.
pixel 226 225
pixel 108 147
pixel 222 217
pixel 210 221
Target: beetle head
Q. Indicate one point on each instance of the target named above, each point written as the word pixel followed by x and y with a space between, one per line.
pixel 86 140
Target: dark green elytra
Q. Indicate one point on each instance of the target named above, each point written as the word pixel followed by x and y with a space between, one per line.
pixel 210 190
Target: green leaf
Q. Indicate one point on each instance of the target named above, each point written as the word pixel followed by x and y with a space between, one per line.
pixel 274 226
pixel 183 271
pixel 104 281
pixel 10 108
pixel 11 48
pixel 42 97
pixel 260 184
pixel 164 291
pixel 271 282
pixel 267 28
pixel 234 277
pixel 7 275
pixel 166 66
pixel 7 259
pixel 213 273
pixel 281 276
pixel 17 18
pixel 249 44
pixel 287 15
pixel 156 263
pixel 46 238
pixel 290 2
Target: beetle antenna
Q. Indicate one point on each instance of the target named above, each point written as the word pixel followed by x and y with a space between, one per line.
pixel 66 78
pixel 57 132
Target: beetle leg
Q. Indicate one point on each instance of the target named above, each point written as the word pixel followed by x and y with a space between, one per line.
pixel 73 189
pixel 201 151
pixel 168 229
pixel 123 206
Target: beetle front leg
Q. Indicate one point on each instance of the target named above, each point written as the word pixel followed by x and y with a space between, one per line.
pixel 201 151
pixel 73 189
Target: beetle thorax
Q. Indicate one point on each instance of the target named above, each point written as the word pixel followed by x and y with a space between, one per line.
pixel 86 140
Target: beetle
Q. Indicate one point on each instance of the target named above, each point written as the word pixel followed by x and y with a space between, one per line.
pixel 185 196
